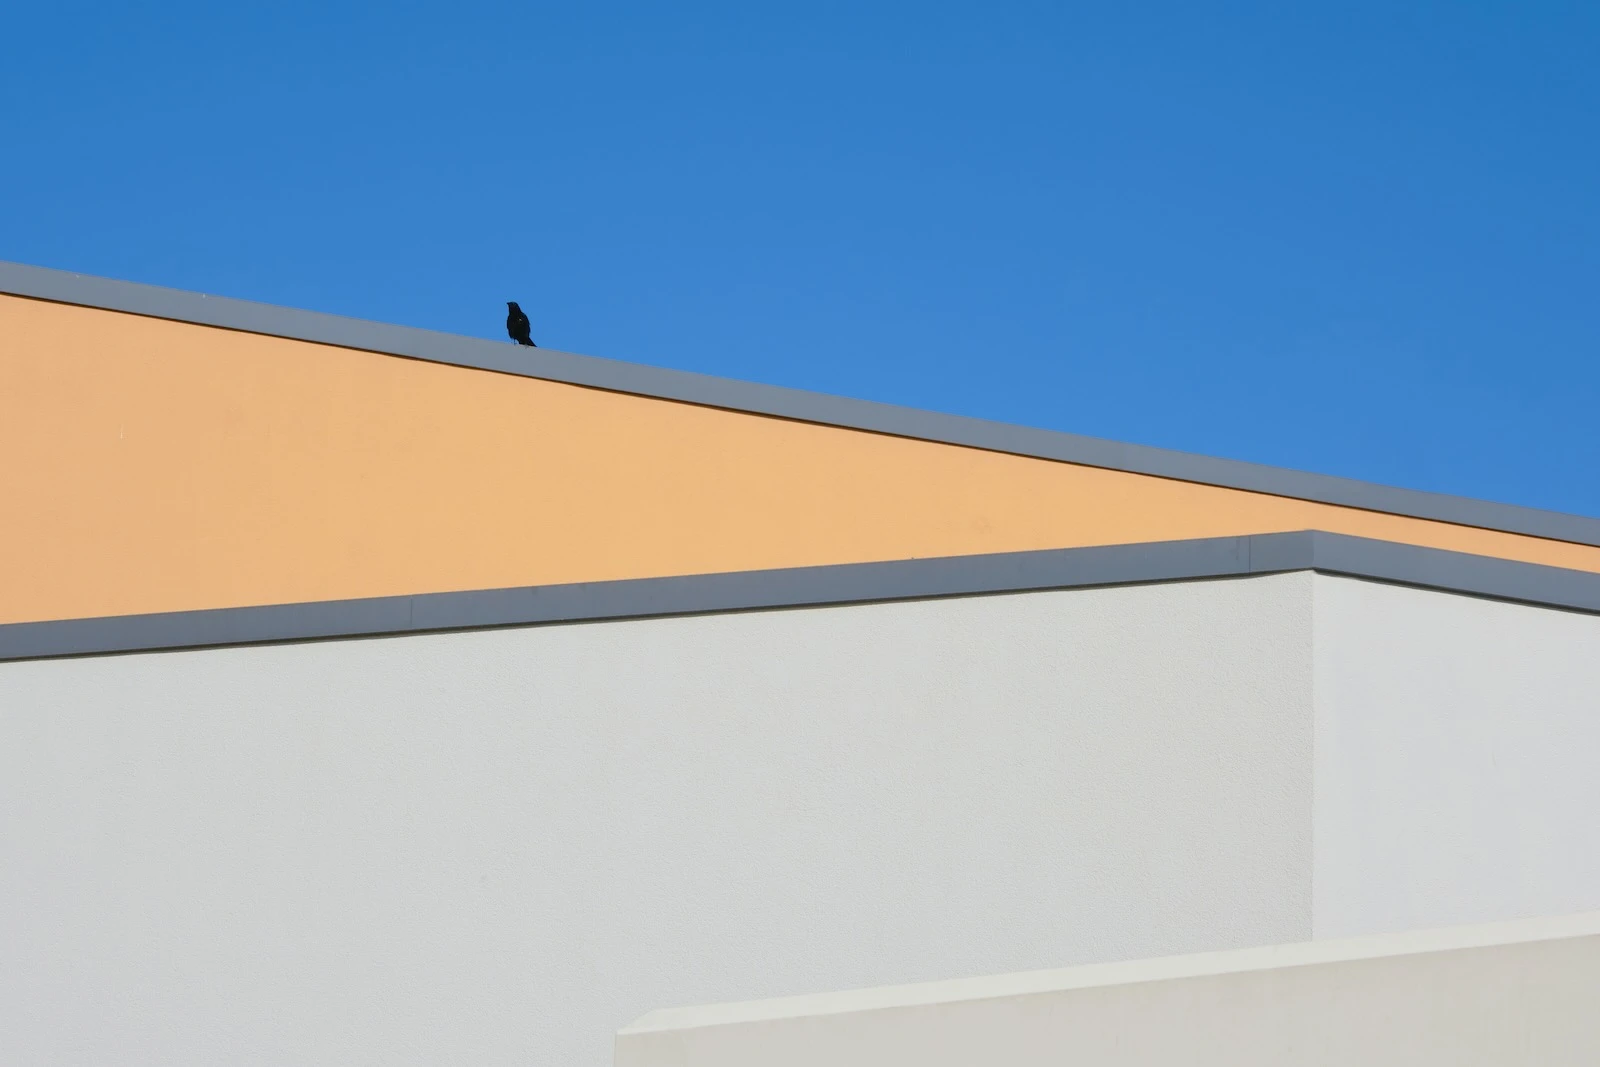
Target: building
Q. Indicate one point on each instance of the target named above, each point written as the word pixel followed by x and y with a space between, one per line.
pixel 1495 994
pixel 374 694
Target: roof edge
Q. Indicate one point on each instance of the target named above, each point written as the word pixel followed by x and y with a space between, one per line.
pixel 65 287
pixel 802 587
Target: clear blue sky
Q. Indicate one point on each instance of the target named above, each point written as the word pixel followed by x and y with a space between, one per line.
pixel 1355 238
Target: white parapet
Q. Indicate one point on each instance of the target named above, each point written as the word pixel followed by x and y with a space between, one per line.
pixel 1525 992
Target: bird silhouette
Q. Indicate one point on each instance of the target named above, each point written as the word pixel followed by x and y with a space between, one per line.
pixel 517 325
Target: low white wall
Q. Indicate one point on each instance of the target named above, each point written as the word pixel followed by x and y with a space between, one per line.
pixel 498 847
pixel 1457 759
pixel 1490 996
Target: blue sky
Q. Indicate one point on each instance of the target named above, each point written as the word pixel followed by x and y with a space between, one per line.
pixel 1361 239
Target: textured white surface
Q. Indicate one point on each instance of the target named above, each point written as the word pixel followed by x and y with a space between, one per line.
pixel 1458 759
pixel 499 847
pixel 1507 993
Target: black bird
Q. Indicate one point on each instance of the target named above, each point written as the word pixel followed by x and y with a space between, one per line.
pixel 517 325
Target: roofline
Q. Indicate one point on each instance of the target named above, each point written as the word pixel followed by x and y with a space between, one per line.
pixel 42 283
pixel 802 587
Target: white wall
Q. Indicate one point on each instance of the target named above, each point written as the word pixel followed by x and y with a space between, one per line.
pixel 1457 759
pixel 499 847
pixel 1485 996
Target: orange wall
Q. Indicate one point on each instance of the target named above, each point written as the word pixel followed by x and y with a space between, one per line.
pixel 157 466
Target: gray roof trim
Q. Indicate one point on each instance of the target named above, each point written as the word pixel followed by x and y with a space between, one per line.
pixel 853 583
pixel 63 287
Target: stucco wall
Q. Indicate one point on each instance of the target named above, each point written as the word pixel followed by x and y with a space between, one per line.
pixel 173 467
pixel 499 847
pixel 1457 759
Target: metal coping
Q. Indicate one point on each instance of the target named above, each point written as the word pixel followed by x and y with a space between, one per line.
pixel 801 587
pixel 42 283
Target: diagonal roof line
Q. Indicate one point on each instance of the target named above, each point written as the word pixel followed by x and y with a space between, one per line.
pixel 807 587
pixel 42 283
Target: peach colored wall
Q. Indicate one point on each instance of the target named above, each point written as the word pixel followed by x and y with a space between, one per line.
pixel 159 466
